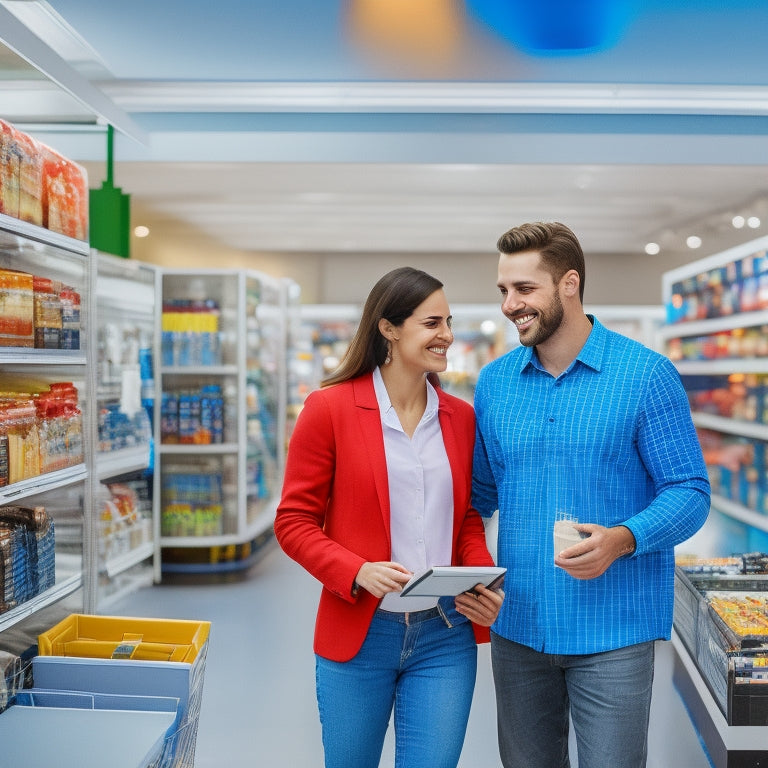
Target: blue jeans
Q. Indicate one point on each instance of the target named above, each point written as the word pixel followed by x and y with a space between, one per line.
pixel 426 669
pixel 608 697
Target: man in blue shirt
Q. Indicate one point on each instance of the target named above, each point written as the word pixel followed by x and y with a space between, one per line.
pixel 582 424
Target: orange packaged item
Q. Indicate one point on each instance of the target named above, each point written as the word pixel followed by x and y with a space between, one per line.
pixel 30 179
pixel 16 309
pixel 9 172
pixel 65 195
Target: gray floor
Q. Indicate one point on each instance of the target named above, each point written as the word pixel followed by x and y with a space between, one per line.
pixel 258 701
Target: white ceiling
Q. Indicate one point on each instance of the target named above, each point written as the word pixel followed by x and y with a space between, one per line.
pixel 305 127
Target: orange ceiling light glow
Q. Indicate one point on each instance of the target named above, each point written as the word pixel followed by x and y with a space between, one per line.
pixel 422 32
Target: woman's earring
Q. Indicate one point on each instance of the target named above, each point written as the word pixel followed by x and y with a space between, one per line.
pixel 388 358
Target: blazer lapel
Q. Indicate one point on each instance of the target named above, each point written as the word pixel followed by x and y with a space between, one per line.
pixel 454 459
pixel 373 438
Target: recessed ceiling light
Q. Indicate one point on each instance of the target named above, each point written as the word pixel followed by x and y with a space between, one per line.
pixel 738 222
pixel 753 222
pixel 652 248
pixel 693 241
pixel 141 231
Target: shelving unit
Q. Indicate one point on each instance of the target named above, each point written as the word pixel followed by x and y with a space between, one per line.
pixel 717 308
pixel 65 493
pixel 123 339
pixel 714 306
pixel 219 348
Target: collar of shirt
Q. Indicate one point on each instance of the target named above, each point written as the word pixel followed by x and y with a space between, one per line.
pixel 387 410
pixel 591 354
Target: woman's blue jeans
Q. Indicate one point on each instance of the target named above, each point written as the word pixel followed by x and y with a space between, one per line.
pixel 425 669
pixel 608 697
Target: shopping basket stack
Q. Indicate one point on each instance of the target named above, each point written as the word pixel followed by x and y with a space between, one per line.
pixel 27 554
pixel 131 657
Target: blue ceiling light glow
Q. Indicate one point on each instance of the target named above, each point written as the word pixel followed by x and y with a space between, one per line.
pixel 556 26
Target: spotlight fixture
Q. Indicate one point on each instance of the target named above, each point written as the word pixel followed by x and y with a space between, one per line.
pixel 652 248
pixel 693 241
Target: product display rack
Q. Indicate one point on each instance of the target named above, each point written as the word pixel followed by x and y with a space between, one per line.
pixel 122 339
pixel 65 493
pixel 219 416
pixel 705 337
pixel 717 311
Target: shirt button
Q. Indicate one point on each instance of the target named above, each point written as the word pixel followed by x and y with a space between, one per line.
pixel 551 419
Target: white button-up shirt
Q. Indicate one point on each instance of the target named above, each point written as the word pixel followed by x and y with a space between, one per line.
pixel 420 493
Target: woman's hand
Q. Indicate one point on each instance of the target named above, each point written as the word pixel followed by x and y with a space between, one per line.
pixel 481 606
pixel 382 578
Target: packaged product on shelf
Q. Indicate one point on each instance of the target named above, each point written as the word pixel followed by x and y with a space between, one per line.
pixel 190 333
pixel 9 171
pixel 23 440
pixel 48 313
pixel 17 312
pixel 192 501
pixel 70 318
pixel 27 554
pixel 40 186
pixel 64 195
pixel 30 178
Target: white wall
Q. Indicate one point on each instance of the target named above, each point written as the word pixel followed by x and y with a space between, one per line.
pixel 469 278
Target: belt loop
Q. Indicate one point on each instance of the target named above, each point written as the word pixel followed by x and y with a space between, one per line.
pixel 444 616
pixel 407 619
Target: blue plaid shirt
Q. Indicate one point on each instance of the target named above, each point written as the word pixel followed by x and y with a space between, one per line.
pixel 609 441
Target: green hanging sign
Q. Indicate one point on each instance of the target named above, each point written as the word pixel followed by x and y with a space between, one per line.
pixel 110 212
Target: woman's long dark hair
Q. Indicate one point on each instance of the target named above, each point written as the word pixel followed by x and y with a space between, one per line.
pixel 394 297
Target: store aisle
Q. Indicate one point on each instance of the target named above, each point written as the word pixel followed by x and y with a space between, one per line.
pixel 259 702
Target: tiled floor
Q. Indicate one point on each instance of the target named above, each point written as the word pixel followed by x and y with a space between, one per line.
pixel 259 701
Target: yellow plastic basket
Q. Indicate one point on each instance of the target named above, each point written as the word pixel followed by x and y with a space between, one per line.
pixel 120 637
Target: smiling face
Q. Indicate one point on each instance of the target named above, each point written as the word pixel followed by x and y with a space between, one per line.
pixel 421 342
pixel 530 297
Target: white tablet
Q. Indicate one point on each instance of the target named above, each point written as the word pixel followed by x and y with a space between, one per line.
pixel 452 580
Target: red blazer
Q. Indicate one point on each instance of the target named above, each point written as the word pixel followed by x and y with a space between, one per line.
pixel 334 512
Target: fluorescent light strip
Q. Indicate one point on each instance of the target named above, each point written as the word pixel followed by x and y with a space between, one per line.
pixel 158 96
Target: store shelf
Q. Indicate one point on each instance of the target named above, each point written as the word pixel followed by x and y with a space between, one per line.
pixel 64 493
pixel 43 483
pixel 218 476
pixel 726 282
pixel 714 325
pixel 117 565
pixel 42 357
pixel 731 426
pixel 196 371
pixel 123 335
pixel 254 529
pixel 216 449
pixel 739 512
pixel 64 587
pixel 18 234
pixel 122 462
pixel 721 367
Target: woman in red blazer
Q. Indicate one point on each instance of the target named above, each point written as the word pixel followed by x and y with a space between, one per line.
pixel 377 486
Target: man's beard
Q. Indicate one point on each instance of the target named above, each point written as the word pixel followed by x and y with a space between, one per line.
pixel 546 323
